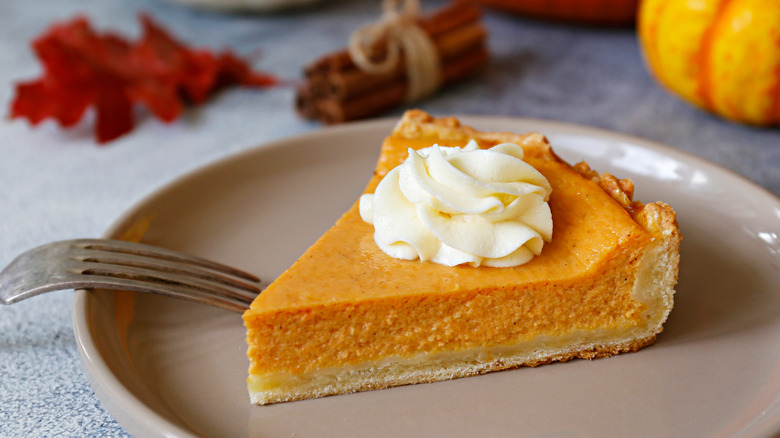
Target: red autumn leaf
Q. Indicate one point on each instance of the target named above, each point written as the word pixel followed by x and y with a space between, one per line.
pixel 40 99
pixel 83 68
pixel 114 113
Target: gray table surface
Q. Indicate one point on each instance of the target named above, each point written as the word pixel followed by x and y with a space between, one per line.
pixel 58 184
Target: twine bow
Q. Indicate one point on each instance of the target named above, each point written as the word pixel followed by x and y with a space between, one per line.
pixel 398 27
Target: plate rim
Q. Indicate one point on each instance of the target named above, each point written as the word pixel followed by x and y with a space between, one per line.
pixel 135 415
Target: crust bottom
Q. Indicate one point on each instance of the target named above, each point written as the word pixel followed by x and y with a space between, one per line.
pixel 444 366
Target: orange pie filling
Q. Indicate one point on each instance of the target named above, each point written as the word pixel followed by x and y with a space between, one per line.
pixel 347 317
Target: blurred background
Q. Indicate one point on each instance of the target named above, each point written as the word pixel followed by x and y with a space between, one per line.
pixel 59 183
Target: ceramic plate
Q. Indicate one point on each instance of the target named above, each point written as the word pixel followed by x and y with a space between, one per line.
pixel 170 368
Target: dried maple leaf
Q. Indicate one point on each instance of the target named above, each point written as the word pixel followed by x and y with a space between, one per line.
pixel 83 68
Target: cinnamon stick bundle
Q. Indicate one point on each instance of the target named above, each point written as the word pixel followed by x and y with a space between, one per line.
pixel 335 90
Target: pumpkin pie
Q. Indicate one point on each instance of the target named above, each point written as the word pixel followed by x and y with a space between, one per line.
pixel 347 317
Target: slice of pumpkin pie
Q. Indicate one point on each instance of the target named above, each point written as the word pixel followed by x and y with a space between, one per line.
pixel 469 252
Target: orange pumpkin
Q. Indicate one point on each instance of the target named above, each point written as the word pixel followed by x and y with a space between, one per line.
pixel 721 55
pixel 593 12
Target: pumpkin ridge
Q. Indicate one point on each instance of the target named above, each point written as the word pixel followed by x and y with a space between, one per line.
pixel 774 109
pixel 705 80
pixel 649 32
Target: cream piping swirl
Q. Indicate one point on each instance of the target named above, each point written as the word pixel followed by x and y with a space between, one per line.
pixel 465 205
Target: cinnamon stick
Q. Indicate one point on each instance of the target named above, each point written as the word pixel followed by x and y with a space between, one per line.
pixel 350 83
pixel 333 110
pixel 455 15
pixel 336 90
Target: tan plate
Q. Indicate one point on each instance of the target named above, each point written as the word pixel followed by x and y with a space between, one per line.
pixel 164 367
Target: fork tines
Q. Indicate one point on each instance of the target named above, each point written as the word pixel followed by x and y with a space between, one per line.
pixel 146 268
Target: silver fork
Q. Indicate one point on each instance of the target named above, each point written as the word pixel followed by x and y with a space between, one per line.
pixel 114 264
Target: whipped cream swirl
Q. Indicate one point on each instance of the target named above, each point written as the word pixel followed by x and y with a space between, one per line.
pixel 454 205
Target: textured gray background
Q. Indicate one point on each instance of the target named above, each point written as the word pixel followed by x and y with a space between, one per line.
pixel 57 184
